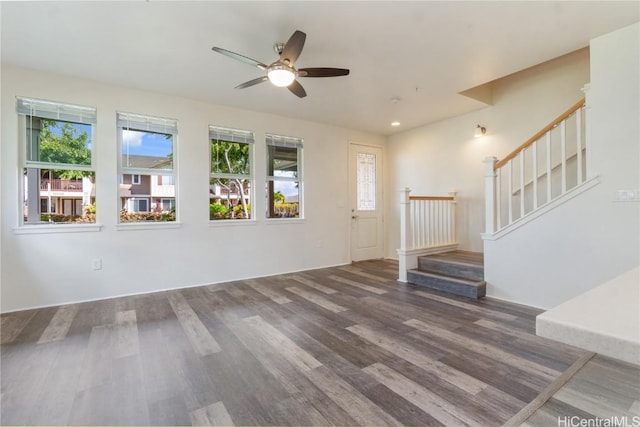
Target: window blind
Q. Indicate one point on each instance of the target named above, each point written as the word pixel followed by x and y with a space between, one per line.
pixel 56 110
pixel 283 141
pixel 147 123
pixel 231 135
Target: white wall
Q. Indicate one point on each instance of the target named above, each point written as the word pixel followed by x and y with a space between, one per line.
pixel 50 269
pixel 591 238
pixel 438 157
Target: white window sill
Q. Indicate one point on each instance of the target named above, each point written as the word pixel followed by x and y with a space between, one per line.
pixel 281 221
pixel 150 225
pixel 231 222
pixel 56 228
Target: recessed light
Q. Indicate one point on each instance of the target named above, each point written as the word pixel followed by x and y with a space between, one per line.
pixel 395 123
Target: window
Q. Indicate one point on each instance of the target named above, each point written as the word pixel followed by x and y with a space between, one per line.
pixel 58 173
pixel 166 180
pixel 231 173
pixel 366 179
pixel 147 168
pixel 168 205
pixel 138 205
pixel 284 176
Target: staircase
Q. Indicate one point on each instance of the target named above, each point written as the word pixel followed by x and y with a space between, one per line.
pixel 456 272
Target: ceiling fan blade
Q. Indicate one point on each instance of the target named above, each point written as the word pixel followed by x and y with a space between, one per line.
pixel 322 72
pixel 239 57
pixel 293 47
pixel 252 82
pixel 297 89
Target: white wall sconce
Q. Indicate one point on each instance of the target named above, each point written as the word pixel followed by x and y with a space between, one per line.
pixel 480 131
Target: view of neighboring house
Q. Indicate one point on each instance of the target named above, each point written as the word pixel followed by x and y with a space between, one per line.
pixel 147 193
pixel 67 197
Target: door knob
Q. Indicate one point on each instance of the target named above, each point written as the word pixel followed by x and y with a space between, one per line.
pixel 354 216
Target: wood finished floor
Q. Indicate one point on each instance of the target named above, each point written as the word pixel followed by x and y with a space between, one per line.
pixel 336 346
pixel 604 389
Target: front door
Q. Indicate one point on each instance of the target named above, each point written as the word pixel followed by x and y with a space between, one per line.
pixel 365 198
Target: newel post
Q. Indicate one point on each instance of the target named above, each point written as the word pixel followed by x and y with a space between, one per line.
pixel 405 217
pixel 490 194
pixel 452 217
pixel 405 229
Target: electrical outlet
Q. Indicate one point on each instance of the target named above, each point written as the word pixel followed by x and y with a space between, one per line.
pixel 96 263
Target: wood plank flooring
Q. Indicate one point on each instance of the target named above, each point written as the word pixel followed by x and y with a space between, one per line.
pixel 604 391
pixel 336 346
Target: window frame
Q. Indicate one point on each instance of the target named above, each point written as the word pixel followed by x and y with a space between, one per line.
pixel 28 108
pixel 152 125
pixel 272 139
pixel 238 136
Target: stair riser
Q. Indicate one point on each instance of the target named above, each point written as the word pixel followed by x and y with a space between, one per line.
pixel 442 284
pixel 466 271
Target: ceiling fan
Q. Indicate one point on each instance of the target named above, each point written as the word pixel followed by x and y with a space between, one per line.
pixel 282 72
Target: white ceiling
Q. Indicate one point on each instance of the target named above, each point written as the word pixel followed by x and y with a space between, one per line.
pixel 422 52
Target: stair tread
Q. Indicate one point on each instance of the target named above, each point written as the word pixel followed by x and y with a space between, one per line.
pixel 456 279
pixel 450 261
pixel 458 264
pixel 458 257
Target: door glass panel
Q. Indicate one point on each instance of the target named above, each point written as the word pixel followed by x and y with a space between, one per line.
pixel 366 181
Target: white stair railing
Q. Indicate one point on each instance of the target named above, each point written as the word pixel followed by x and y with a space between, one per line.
pixel 427 225
pixel 546 166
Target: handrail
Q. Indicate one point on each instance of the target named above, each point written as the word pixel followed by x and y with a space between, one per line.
pixel 539 134
pixel 431 198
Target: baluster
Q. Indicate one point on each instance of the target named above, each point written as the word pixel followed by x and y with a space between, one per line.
pixel 548 167
pixel 424 219
pixel 411 228
pixel 510 189
pixel 415 235
pixel 584 111
pixel 563 156
pixel 418 220
pixel 521 155
pixel 499 199
pixel 440 223
pixel 534 147
pixel 414 223
pixel 579 144
pixel 447 220
pixel 436 219
pixel 432 216
pixel 436 223
pixel 426 222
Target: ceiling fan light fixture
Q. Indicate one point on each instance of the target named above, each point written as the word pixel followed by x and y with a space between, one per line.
pixel 281 75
